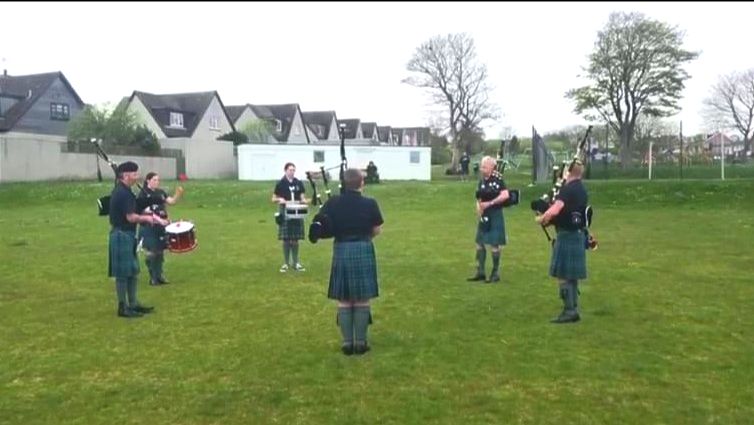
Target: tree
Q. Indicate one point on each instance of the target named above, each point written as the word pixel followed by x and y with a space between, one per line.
pixel 732 104
pixel 448 67
pixel 258 131
pixel 635 68
pixel 114 127
pixel 439 147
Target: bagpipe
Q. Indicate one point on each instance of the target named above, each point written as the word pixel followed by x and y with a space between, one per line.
pixel 579 219
pixel 513 194
pixel 321 226
pixel 103 202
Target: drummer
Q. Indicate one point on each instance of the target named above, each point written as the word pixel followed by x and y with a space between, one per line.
pixel 290 190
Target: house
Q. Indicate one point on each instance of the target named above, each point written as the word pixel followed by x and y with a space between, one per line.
pixel 730 146
pixel 385 135
pixel 200 116
pixel 415 136
pixel 286 124
pixel 37 103
pixel 352 128
pixel 322 125
pixel 369 131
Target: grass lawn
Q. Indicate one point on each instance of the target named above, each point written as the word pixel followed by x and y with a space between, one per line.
pixel 666 332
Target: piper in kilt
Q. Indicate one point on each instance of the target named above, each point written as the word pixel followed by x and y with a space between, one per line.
pixel 153 236
pixel 122 262
pixel 490 194
pixel 568 262
pixel 355 220
pixel 288 189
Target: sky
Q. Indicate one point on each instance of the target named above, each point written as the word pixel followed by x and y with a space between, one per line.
pixel 351 57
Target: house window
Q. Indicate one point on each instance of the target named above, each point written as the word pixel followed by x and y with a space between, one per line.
pixel 297 130
pixel 214 122
pixel 278 126
pixel 59 112
pixel 415 156
pixel 176 119
pixel 319 156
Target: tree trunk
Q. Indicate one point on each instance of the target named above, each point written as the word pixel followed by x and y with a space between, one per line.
pixel 625 151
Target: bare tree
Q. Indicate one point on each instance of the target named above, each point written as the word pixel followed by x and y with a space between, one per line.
pixel 448 67
pixel 636 69
pixel 732 104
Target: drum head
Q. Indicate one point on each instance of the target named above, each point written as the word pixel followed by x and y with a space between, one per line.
pixel 179 227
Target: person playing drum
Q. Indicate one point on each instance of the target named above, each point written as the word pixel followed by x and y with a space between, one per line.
pixel 290 190
pixel 153 235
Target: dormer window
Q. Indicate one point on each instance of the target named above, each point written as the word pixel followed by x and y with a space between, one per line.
pixel 278 125
pixel 60 112
pixel 176 119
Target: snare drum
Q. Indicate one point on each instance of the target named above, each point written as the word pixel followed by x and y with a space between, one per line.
pixel 181 236
pixel 295 210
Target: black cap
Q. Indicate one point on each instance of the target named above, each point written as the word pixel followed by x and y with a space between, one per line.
pixel 127 167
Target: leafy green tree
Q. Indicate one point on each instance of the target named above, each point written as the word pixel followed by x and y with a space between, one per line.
pixel 635 69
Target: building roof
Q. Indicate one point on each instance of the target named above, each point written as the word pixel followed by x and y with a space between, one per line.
pixel 193 106
pixel 320 122
pixel 285 113
pixel 27 89
pixel 367 128
pixel 352 125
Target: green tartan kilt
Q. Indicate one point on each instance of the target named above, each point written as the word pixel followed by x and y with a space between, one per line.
pixel 569 255
pixel 152 237
pixel 122 261
pixel 353 274
pixel 291 229
pixel 496 233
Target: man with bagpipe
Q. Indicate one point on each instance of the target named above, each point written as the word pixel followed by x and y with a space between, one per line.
pixel 353 220
pixel 123 262
pixel 491 195
pixel 566 207
pixel 124 212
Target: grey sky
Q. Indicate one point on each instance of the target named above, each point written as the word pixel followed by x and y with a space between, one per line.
pixel 351 57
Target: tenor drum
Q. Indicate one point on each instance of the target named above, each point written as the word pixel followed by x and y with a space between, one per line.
pixel 181 236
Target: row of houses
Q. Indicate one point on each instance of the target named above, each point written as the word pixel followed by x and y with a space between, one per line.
pixel 45 103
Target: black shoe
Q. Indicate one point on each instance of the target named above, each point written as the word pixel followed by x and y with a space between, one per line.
pixel 162 280
pixel 361 348
pixel 347 349
pixel 567 317
pixel 128 313
pixel 142 309
pixel 493 278
pixel 479 277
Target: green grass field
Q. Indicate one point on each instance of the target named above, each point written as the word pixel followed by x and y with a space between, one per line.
pixel 665 337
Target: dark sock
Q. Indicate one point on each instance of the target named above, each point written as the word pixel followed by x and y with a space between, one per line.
pixel 132 301
pixel 286 252
pixel 294 253
pixel 495 262
pixel 159 260
pixel 361 319
pixel 345 321
pixel 481 256
pixel 121 285
pixel 574 293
